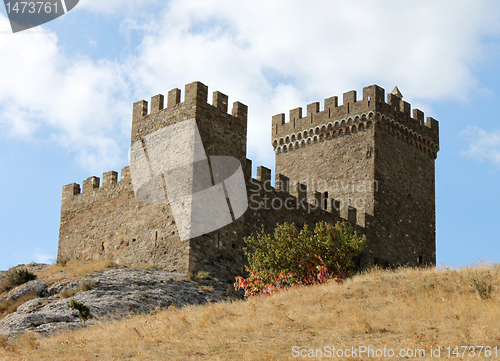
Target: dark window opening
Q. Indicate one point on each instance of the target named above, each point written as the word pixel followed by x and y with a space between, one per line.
pixel 325 200
pixel 376 261
pixel 420 260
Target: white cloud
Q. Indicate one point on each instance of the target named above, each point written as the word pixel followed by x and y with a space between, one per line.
pixel 116 7
pixel 77 101
pixel 275 56
pixel 41 256
pixel 272 56
pixel 483 145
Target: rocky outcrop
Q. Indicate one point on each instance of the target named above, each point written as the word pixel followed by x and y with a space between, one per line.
pixel 34 288
pixel 111 294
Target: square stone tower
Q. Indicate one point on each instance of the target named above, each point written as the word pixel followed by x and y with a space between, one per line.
pixel 109 222
pixel 372 155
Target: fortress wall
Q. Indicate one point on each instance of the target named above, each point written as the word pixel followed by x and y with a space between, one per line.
pixel 404 226
pixel 269 206
pixel 340 163
pixel 223 134
pixel 109 223
pixel 372 159
pixel 220 252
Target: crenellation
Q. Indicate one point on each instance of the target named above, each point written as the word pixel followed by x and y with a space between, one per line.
pixel 240 110
pixel 173 98
pixel 125 175
pixel 432 124
pixel 90 184
pixel 70 190
pixel 346 120
pixel 140 109
pixel 335 207
pixel 109 179
pixel 418 115
pixel 373 94
pixel 220 101
pixel 349 98
pixel 277 121
pixel 157 103
pixel 282 183
pixel 295 114
pixel 247 168
pixel 331 103
pixel 405 108
pixel 196 92
pixel 312 109
pixel 318 199
pixel 393 101
pixel 300 192
pixel 264 175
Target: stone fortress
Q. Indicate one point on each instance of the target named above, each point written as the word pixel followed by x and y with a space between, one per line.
pixel 368 161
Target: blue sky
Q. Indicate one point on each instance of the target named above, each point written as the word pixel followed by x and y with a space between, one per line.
pixel 67 87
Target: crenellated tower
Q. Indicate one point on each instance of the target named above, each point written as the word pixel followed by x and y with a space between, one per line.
pixel 108 222
pixel 370 154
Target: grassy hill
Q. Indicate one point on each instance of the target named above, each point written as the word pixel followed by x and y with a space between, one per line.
pixel 403 309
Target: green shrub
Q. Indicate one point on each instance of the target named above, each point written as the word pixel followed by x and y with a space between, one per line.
pixel 19 276
pixel 289 257
pixel 16 277
pixel 83 310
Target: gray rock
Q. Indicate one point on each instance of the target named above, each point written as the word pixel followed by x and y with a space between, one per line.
pixel 112 294
pixel 35 288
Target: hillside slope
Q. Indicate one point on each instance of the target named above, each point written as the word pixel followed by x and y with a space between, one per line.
pixel 404 309
pixel 41 306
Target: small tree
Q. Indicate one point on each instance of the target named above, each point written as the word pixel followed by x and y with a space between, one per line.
pixel 83 310
pixel 16 277
pixel 289 257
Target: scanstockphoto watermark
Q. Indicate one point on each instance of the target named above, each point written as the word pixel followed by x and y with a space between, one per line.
pixel 368 351
pixel 354 352
pixel 355 194
pixel 25 15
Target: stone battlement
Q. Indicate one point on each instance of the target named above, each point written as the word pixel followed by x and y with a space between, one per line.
pixel 195 93
pixel 295 195
pixel 352 116
pixel 195 106
pixel 91 184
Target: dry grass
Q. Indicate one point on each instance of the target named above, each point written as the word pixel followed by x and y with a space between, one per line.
pixel 401 309
pixel 72 270
pixel 7 307
pixel 85 286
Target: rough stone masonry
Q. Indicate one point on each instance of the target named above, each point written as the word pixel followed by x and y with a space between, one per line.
pixel 368 161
